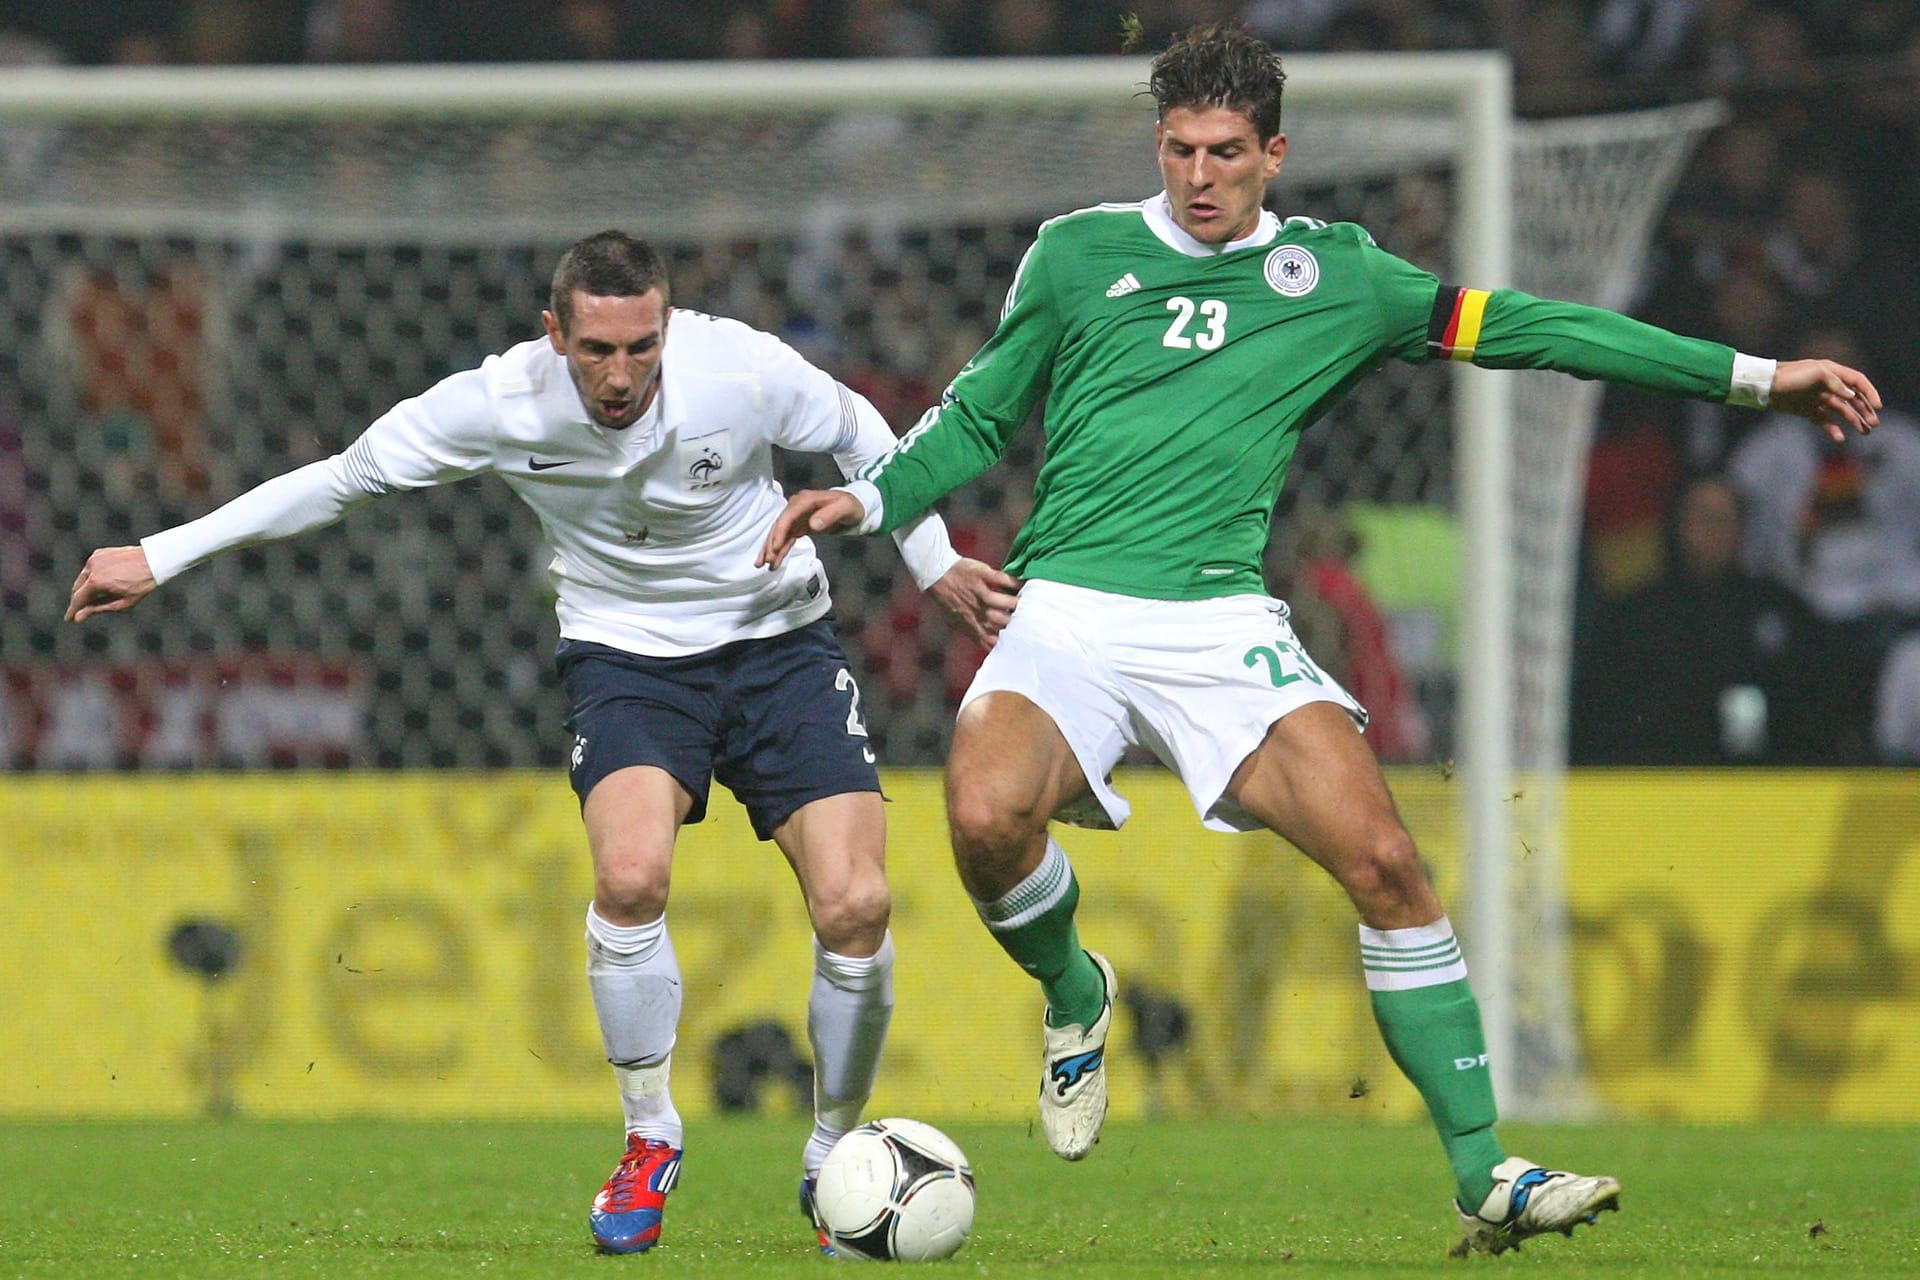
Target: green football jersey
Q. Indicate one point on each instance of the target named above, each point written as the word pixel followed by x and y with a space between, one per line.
pixel 1179 378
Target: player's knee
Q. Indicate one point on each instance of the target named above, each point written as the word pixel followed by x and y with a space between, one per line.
pixel 1387 874
pixel 988 821
pixel 854 921
pixel 630 893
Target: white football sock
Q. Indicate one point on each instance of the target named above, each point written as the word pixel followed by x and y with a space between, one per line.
pixel 847 1016
pixel 635 979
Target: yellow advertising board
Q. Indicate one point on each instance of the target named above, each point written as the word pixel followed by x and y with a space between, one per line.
pixel 411 946
pixel 1748 944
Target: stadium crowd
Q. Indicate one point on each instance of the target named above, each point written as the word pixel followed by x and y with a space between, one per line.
pixel 1796 229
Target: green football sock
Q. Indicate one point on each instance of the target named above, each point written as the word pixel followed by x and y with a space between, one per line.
pixel 1033 923
pixel 1433 1033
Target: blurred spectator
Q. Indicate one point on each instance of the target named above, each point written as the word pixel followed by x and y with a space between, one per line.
pixel 1631 476
pixel 885 29
pixel 92 32
pixel 1026 28
pixel 23 45
pixel 1896 719
pixel 1773 44
pixel 138 355
pixel 1351 639
pixel 1814 245
pixel 1644 37
pixel 138 47
pixel 747 33
pixel 591 30
pixel 1709 664
pixel 214 33
pixel 1414 25
pixel 1840 525
pixel 232 32
pixel 1549 46
pixel 1293 24
pixel 1722 55
pixel 358 31
pixel 1721 212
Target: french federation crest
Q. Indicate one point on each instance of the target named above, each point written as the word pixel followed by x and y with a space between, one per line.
pixel 706 462
pixel 1292 270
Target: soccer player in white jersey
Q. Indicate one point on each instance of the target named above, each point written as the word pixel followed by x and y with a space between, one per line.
pixel 1182 344
pixel 642 437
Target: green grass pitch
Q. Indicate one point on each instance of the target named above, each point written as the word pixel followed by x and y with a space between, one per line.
pixel 99 1200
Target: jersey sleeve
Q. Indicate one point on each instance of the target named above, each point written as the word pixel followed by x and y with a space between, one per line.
pixel 1507 329
pixel 442 435
pixel 808 410
pixel 984 408
pixel 815 413
pixel 430 439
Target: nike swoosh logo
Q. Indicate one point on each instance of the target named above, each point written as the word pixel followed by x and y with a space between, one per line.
pixel 534 464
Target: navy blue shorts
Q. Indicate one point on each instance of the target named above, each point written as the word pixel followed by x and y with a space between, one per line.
pixel 776 720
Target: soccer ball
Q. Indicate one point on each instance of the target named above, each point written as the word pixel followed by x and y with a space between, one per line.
pixel 895 1191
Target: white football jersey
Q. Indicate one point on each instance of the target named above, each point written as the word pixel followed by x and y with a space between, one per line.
pixel 654 528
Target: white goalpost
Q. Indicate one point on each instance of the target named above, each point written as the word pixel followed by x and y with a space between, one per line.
pixel 367 226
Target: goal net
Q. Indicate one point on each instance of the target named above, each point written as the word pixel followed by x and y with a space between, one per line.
pixel 208 277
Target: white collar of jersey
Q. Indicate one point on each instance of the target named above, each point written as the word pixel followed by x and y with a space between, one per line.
pixel 1159 215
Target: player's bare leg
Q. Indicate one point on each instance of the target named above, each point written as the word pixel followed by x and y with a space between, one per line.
pixel 632 816
pixel 837 847
pixel 1008 772
pixel 1315 782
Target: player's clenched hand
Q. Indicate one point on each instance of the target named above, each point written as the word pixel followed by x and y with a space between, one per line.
pixel 1827 394
pixel 978 596
pixel 114 578
pixel 809 511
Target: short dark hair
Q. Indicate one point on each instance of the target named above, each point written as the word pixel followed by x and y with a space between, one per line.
pixel 1221 64
pixel 611 264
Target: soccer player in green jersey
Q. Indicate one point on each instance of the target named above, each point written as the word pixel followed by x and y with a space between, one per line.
pixel 1183 343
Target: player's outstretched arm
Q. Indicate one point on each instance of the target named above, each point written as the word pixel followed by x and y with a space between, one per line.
pixel 809 511
pixel 112 580
pixel 1826 394
pixel 977 596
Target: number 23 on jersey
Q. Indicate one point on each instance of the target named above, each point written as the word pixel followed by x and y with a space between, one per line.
pixel 1202 324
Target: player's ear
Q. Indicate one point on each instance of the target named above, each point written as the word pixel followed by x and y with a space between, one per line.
pixel 554 335
pixel 1276 152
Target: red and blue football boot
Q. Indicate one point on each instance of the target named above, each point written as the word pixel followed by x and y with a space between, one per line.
pixel 626 1214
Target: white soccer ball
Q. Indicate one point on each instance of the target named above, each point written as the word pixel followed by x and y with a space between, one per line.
pixel 895 1191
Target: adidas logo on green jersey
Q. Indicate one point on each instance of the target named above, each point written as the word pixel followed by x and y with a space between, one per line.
pixel 1125 285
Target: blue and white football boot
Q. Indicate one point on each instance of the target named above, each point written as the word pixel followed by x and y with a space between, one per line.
pixel 1527 1201
pixel 1073 1077
pixel 812 1215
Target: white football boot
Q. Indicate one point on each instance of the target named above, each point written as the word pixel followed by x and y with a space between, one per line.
pixel 1073 1077
pixel 1527 1200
